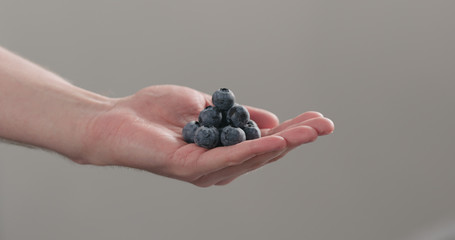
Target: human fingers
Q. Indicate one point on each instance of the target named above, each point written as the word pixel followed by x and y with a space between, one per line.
pixel 302 117
pixel 294 137
pixel 226 181
pixel 263 118
pixel 232 178
pixel 221 157
pixel 237 170
pixel 229 180
pixel 298 135
pixel 322 125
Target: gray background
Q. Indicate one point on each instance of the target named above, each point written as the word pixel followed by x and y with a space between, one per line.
pixel 383 71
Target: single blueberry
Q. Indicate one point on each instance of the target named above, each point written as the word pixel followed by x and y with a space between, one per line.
pixel 232 135
pixel 223 98
pixel 207 137
pixel 238 116
pixel 251 130
pixel 210 117
pixel 251 123
pixel 189 130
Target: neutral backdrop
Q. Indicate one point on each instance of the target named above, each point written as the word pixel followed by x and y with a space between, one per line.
pixel 383 71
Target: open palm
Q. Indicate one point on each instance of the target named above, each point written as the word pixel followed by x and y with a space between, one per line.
pixel 143 131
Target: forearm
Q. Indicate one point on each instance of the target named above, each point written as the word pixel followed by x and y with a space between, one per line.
pixel 39 108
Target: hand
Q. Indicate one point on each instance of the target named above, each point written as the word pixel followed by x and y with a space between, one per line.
pixel 144 130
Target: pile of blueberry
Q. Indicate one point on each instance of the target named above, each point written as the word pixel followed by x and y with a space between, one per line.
pixel 224 124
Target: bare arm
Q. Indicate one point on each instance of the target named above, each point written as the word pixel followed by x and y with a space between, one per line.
pixel 39 108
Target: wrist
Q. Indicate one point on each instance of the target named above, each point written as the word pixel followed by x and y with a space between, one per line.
pixel 54 117
pixel 75 122
pixel 40 108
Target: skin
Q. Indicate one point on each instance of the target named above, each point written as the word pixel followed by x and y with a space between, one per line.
pixel 141 131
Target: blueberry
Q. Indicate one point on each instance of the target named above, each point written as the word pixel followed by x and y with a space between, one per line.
pixel 232 135
pixel 238 116
pixel 251 123
pixel 207 137
pixel 251 130
pixel 223 99
pixel 189 131
pixel 210 117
